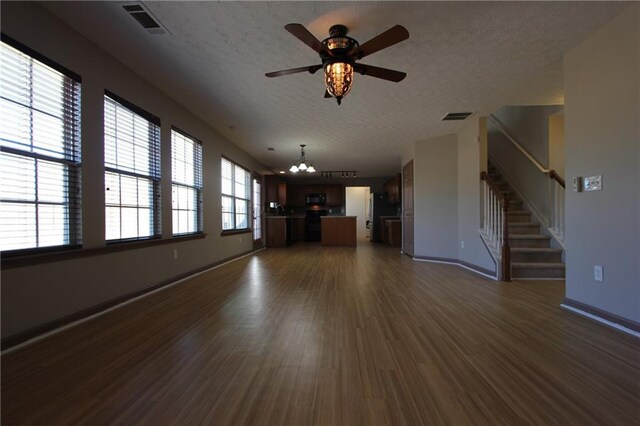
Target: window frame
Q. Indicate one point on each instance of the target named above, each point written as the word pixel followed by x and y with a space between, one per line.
pixel 154 176
pixel 198 187
pixel 70 159
pixel 234 198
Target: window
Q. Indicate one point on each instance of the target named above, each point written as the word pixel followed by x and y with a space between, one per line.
pixel 235 196
pixel 132 171
pixel 186 191
pixel 257 210
pixel 40 151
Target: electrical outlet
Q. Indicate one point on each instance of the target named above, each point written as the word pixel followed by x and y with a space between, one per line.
pixel 462 244
pixel 598 273
pixel 175 254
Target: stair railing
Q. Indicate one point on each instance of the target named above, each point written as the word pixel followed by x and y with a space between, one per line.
pixel 495 224
pixel 557 203
pixel 556 188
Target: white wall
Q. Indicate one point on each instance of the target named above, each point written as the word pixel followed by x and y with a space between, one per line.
pixel 435 198
pixel 469 166
pixel 602 137
pixel 556 143
pixel 357 198
pixel 528 125
pixel 35 295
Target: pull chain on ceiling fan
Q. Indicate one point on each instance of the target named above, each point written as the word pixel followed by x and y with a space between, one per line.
pixel 339 54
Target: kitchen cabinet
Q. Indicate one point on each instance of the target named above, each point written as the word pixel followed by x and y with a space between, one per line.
pixel 392 188
pixel 276 231
pixel 275 190
pixel 335 195
pixel 394 235
pixel 339 231
pixel 284 230
pixel 297 194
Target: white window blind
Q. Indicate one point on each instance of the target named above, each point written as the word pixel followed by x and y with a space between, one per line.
pixel 40 151
pixel 236 193
pixel 132 171
pixel 186 176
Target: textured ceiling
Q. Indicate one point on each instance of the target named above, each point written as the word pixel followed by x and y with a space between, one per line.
pixel 461 56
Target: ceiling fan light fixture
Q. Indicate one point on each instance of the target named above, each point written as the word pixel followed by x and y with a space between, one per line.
pixel 338 78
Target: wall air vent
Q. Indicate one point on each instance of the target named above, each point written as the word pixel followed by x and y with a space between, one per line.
pixel 456 116
pixel 144 18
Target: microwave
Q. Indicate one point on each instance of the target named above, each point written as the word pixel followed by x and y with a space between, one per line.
pixel 316 199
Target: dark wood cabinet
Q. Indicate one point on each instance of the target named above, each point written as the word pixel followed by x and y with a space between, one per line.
pixel 334 194
pixel 297 194
pixel 275 190
pixel 392 188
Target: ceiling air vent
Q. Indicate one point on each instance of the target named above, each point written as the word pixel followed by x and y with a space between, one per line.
pixel 456 116
pixel 144 18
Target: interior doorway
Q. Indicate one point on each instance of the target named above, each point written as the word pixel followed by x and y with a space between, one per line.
pixel 356 204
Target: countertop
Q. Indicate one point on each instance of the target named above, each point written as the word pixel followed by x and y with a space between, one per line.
pixel 338 217
pixel 295 216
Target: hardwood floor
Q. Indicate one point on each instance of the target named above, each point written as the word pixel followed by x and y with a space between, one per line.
pixel 313 335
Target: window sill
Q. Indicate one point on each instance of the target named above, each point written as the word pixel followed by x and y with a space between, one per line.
pixel 236 232
pixel 30 259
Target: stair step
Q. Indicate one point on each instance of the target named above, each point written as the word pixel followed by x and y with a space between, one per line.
pixel 537 270
pixel 529 240
pixel 536 255
pixel 528 228
pixel 518 216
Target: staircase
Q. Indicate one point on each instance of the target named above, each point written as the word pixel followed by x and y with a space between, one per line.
pixel 531 254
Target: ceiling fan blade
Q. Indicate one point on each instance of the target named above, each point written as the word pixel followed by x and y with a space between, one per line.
pixel 381 41
pixel 327 94
pixel 312 69
pixel 303 34
pixel 383 73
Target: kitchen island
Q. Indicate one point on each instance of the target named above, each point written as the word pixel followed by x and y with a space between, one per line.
pixel 284 230
pixel 338 231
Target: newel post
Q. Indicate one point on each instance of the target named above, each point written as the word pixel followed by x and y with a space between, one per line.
pixel 506 248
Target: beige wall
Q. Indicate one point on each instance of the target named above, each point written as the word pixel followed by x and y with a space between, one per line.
pixel 435 180
pixel 556 143
pixel 602 137
pixel 471 139
pixel 39 294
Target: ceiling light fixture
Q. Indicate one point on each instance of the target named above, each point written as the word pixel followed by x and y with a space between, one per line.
pixel 302 164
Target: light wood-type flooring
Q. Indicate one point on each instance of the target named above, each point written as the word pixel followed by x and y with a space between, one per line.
pixel 331 336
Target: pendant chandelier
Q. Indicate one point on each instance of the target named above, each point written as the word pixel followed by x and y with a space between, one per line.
pixel 301 165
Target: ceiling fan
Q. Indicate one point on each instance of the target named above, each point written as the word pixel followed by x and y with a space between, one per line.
pixel 339 54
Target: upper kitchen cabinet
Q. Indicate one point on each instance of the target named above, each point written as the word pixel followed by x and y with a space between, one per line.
pixel 334 194
pixel 296 195
pixel 392 188
pixel 275 190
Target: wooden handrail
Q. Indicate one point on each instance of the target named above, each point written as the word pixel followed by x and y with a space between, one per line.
pixel 555 176
pixel 504 199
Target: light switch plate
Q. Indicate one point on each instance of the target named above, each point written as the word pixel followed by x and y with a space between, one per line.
pixel 593 183
pixel 598 273
pixel 577 184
